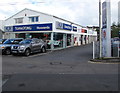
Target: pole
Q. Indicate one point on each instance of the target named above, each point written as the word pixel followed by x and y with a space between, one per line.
pixel 118 49
pixel 100 28
pixel 93 49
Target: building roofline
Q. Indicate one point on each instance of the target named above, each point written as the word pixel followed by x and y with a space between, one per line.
pixel 68 21
pixel 29 10
pixel 47 15
pixel 14 14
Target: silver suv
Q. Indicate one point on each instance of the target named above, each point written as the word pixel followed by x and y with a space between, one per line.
pixel 29 46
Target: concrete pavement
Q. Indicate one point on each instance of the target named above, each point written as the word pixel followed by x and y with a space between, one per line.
pixel 61 70
pixel 62 82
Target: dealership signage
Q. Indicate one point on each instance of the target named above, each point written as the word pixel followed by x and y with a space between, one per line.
pixel 59 25
pixel 83 31
pixel 32 27
pixel 74 29
pixel 67 27
pixel 106 29
pixel 8 28
pixel 63 26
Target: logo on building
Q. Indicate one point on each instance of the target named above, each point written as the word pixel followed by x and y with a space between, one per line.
pixel 8 28
pixel 63 26
pixel 59 25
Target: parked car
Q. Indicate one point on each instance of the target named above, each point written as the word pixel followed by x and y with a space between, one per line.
pixel 2 41
pixel 6 46
pixel 29 46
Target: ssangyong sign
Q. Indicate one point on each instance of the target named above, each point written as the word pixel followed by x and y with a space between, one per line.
pixel 32 27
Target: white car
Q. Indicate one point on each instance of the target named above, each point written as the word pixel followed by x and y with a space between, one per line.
pixel 56 43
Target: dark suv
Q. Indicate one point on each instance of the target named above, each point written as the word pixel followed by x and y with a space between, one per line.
pixel 6 46
pixel 29 46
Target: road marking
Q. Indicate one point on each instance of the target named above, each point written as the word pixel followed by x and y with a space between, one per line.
pixel 2 83
pixel 102 62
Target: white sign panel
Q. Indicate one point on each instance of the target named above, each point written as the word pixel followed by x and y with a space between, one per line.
pixel 106 29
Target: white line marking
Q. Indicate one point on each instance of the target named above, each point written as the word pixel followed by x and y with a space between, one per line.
pixel 102 62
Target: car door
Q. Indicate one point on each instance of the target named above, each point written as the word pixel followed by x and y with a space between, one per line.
pixel 38 43
pixel 33 46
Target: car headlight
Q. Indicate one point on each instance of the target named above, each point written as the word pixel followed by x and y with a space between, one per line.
pixel 22 47
pixel 2 47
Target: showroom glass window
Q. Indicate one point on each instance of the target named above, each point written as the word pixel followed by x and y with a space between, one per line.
pixel 58 40
pixel 18 20
pixel 34 19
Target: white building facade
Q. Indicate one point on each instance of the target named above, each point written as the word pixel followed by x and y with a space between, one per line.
pixel 1 29
pixel 57 32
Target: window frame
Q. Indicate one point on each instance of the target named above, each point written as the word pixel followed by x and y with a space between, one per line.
pixel 19 20
pixel 33 19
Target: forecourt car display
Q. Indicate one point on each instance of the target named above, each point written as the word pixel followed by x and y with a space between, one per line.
pixel 57 32
pixel 29 46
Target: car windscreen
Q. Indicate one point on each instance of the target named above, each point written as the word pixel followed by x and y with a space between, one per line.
pixel 12 41
pixel 25 42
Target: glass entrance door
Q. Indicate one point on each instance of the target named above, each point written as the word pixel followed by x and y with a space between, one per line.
pixel 69 40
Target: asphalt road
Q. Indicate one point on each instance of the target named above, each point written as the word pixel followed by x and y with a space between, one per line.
pixel 61 70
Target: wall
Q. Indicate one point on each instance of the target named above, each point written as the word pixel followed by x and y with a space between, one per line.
pixel 1 28
pixel 26 13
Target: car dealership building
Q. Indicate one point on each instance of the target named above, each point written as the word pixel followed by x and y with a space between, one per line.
pixel 57 32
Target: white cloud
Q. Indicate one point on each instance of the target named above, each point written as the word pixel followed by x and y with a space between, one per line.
pixel 83 12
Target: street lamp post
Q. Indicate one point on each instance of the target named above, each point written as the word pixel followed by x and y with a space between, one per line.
pixel 100 28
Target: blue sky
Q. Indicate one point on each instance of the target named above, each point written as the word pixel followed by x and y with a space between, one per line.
pixel 83 12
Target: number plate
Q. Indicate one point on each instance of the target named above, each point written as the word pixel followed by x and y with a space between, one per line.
pixel 14 51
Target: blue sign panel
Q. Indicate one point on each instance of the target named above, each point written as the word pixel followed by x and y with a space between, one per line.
pixel 74 28
pixel 32 27
pixel 63 26
pixel 67 27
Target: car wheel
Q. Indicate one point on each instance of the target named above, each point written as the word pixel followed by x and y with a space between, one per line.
pixel 27 52
pixel 43 50
pixel 8 51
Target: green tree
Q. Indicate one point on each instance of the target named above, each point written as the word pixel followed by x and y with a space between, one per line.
pixel 113 24
pixel 115 30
